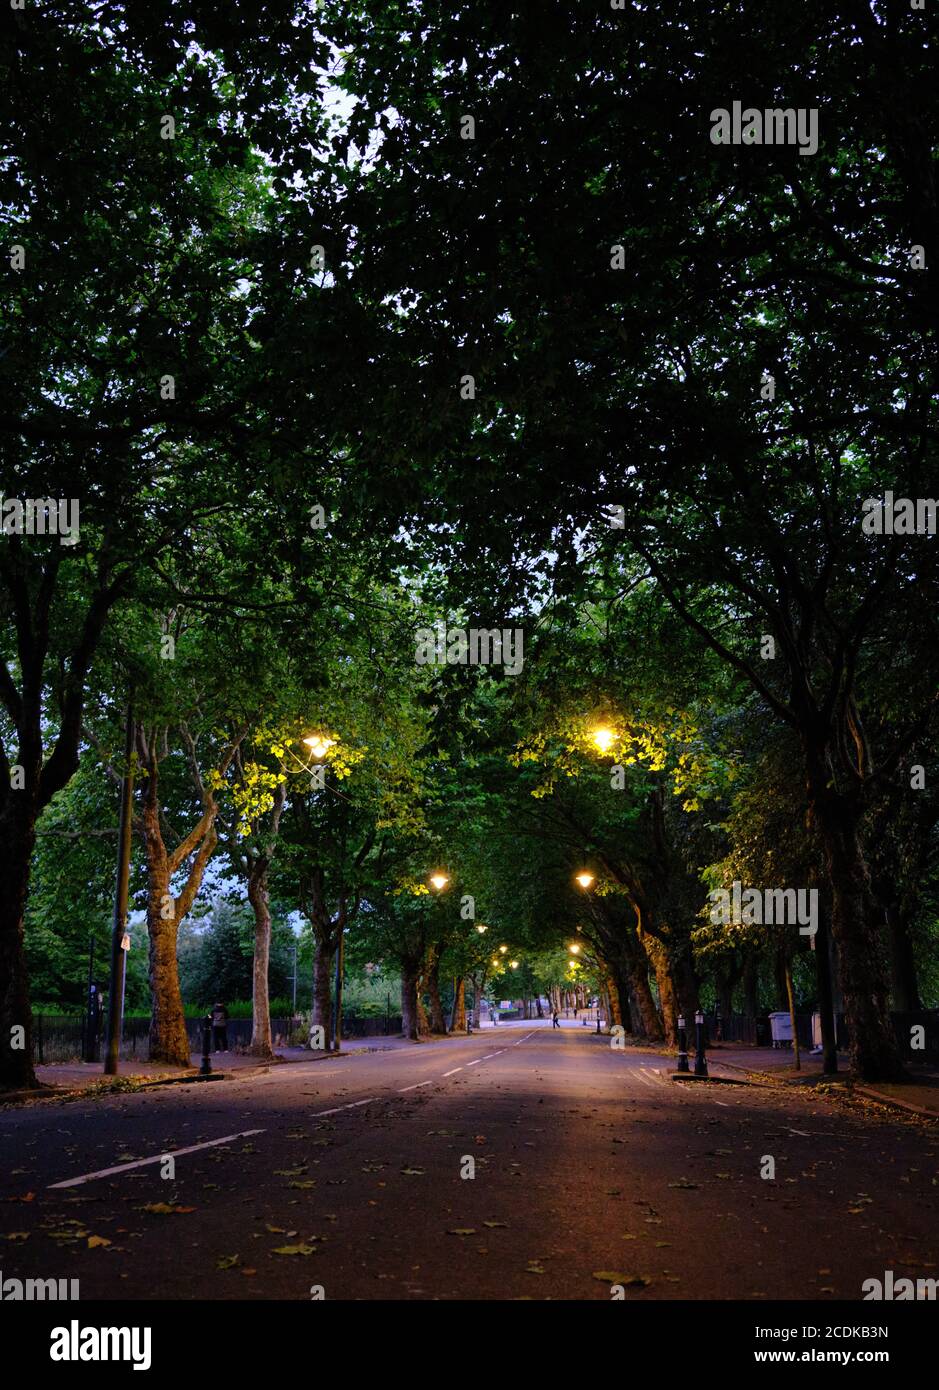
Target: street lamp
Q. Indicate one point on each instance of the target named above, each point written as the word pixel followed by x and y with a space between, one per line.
pixel 513 964
pixel 574 950
pixel 481 927
pixel 603 738
pixel 585 879
pixel 439 881
pixel 504 950
pixel 319 745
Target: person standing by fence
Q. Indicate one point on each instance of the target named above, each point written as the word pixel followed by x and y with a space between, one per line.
pixel 220 1027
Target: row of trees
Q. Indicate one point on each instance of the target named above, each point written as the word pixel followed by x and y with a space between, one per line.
pixel 322 360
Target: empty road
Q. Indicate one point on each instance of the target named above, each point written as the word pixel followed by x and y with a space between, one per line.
pixel 522 1162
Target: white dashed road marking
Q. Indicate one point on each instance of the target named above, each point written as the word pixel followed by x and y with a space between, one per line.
pixel 157 1158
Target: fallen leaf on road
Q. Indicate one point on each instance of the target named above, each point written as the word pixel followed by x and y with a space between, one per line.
pixel 27 1197
pixel 493 1225
pixel 227 1261
pixel 534 1268
pixel 612 1276
pixel 413 1172
pixel 94 1242
pixel 17 1235
pixel 295 1250
pixel 303 1183
pixel 462 1231
pixel 683 1182
pixel 165 1209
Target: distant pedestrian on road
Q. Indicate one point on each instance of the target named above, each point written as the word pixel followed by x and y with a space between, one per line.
pixel 555 1020
pixel 220 1027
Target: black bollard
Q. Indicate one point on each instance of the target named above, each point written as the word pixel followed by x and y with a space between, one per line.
pixel 206 1068
pixel 469 1022
pixel 682 1046
pixel 700 1061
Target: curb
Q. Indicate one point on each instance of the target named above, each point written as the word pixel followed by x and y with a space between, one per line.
pixel 900 1104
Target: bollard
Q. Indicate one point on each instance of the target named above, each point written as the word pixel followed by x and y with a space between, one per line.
pixel 206 1068
pixel 469 1022
pixel 700 1061
pixel 682 1046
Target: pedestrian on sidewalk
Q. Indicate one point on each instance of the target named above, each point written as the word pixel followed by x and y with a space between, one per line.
pixel 555 1020
pixel 220 1027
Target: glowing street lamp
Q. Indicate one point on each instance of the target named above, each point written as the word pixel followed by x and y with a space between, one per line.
pixel 481 927
pixel 504 949
pixel 585 879
pixel 574 950
pixel 603 739
pixel 319 745
pixel 439 881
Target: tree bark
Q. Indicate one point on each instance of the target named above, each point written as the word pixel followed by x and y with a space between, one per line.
pixel 409 1015
pixel 322 1016
pixel 459 1007
pixel 856 932
pixel 438 1022
pixel 903 979
pixel 787 967
pixel 259 898
pixel 17 838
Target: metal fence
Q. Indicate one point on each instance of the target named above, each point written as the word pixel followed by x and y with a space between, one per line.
pixel 62 1037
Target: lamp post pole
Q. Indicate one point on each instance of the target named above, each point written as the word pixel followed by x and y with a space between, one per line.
pixel 700 1061
pixel 682 1046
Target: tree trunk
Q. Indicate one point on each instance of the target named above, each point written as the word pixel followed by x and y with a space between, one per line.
pixel 259 898
pixel 792 1013
pixel 904 984
pixel 169 1040
pixel 874 1052
pixel 667 1029
pixel 438 1022
pixel 17 838
pixel 409 1016
pixel 459 1007
pixel 751 984
pixel 826 1010
pixel 322 1016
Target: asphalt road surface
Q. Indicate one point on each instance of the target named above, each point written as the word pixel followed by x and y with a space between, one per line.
pixel 589 1167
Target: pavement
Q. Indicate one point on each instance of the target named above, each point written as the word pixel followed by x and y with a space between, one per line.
pixel 519 1163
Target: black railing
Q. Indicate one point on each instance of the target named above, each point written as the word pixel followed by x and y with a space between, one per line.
pixel 61 1037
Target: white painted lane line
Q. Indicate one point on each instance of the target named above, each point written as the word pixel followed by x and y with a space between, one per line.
pixel 723 1103
pixel 157 1158
pixel 415 1087
pixel 369 1100
pixel 490 1055
pixel 453 1073
pixel 476 1063
pixel 526 1037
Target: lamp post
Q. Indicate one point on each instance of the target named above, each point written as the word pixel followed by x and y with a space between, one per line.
pixel 700 1061
pixel 438 882
pixel 682 1045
